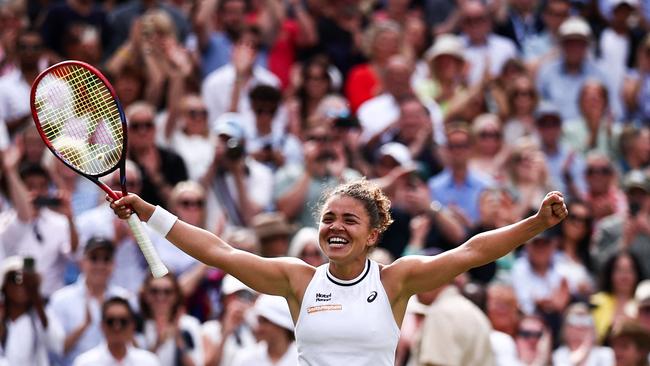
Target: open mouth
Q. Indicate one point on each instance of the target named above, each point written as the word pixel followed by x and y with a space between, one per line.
pixel 337 242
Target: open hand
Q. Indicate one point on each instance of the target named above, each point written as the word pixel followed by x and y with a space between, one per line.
pixel 553 209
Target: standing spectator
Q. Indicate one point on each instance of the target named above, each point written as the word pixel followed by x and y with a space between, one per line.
pixel 457 186
pixel 277 345
pixel 522 105
pixel 533 341
pixel 527 175
pixel 234 177
pixel 634 147
pixel 161 168
pixel 381 41
pixel 578 345
pixel 455 331
pixel 173 336
pixel 522 23
pixel 30 333
pixel 619 278
pixel 502 308
pixel 491 154
pixel 636 89
pixel 78 306
pixel 485 52
pixel 544 45
pixel 603 195
pixel 559 81
pixel 226 89
pixel 118 326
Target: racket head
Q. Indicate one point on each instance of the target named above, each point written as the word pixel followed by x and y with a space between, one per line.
pixel 80 119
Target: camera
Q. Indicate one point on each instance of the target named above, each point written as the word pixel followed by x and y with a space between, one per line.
pixel 346 122
pixel 29 264
pixel 234 149
pixel 45 201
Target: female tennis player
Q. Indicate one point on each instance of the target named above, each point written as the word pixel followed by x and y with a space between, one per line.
pixel 347 311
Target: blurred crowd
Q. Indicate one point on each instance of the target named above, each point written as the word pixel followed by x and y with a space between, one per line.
pixel 241 113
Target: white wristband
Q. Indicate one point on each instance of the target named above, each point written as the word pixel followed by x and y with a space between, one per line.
pixel 161 221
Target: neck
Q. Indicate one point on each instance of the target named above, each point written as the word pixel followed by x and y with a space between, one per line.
pixel 263 129
pixel 16 310
pixel 118 350
pixel 277 347
pixel 459 174
pixel 539 270
pixel 348 271
pixel 573 68
pixel 552 147
pixel 96 290
pixel 136 150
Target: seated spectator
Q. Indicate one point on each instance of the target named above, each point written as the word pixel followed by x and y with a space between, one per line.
pixel 636 89
pixel 226 337
pixel 502 308
pixel 544 45
pixel 118 326
pixel 522 105
pixel 559 81
pixel 491 153
pixel 273 232
pixel 172 335
pixel 578 345
pixel 619 278
pixel 603 195
pixel 528 176
pixel 631 343
pixel 634 147
pixel 30 332
pixel 78 306
pixel 304 245
pixel 534 341
pixel 275 333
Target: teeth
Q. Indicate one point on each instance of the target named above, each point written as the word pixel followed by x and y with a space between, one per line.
pixel 337 240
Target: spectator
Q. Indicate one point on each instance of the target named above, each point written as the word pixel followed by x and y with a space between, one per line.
pixel 627 230
pixel 275 332
pixel 446 64
pixel 522 23
pixel 559 81
pixel 491 154
pixel 630 342
pixel 192 138
pixel 173 336
pixel 534 341
pixel 594 129
pixel 160 168
pixel 382 40
pixel 226 337
pixel 458 187
pixel 485 52
pixel 502 308
pixel 522 105
pixel 528 176
pixel 619 278
pixel 636 89
pixel 544 45
pixel 454 331
pixel 304 245
pixel 642 298
pixel 30 332
pixel 634 146
pixel 273 232
pixel 578 340
pixel 233 177
pixel 603 194
pixel 118 325
pixel 78 306
pixel 226 89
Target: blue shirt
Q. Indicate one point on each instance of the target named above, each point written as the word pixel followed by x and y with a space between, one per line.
pixel 555 163
pixel 562 89
pixel 218 53
pixel 444 189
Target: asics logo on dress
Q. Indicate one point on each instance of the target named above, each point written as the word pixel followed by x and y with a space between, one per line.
pixel 372 297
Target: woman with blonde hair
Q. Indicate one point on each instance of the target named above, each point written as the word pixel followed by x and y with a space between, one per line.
pixel 527 175
pixel 491 153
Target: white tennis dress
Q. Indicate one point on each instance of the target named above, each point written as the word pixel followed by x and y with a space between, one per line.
pixel 346 323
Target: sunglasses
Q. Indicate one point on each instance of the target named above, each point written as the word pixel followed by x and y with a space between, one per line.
pixel 188 203
pixel 141 126
pixel 265 110
pixel 530 334
pixel 524 93
pixel 548 123
pixel 100 258
pixel 496 135
pixel 117 322
pixel 197 113
pixel 161 291
pixel 30 47
pixel 603 170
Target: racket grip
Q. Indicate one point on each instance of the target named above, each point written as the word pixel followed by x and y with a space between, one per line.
pixel 158 268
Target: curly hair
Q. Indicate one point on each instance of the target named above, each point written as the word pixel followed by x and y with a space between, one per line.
pixel 374 200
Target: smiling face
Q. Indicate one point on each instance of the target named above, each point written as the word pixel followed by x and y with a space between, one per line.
pixel 345 232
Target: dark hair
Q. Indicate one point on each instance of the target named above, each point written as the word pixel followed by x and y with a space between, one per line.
pixel 602 88
pixel 301 92
pixel 374 200
pixel 32 169
pixel 265 93
pixel 585 242
pixel 117 300
pixel 606 283
pixel 145 309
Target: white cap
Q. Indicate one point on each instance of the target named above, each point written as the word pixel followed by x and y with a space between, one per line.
pixel 446 44
pixel 13 263
pixel 230 285
pixel 275 310
pixel 642 293
pixel 397 151
pixel 575 27
pixel 230 124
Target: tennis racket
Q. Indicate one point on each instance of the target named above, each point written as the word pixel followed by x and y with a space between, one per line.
pixel 81 121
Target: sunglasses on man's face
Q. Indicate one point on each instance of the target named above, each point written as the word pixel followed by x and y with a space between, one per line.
pixel 141 126
pixel 117 322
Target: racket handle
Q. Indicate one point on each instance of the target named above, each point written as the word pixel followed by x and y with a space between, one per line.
pixel 157 267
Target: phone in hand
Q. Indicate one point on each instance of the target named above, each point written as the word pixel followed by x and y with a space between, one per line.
pixel 29 264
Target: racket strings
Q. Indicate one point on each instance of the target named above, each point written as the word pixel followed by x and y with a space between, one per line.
pixel 79 116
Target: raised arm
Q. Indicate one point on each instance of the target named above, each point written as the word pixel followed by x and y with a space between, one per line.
pixel 274 276
pixel 413 274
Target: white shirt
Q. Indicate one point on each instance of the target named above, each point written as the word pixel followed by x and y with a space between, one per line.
pixel 14 96
pixel 166 352
pixel 381 111
pixel 29 344
pixel 529 286
pixel 598 356
pixel 236 343
pixel 68 305
pixel 346 322
pixel 615 49
pixel 100 356
pixel 259 356
pixel 217 88
pixel 46 239
pixel 197 152
pixel 497 50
